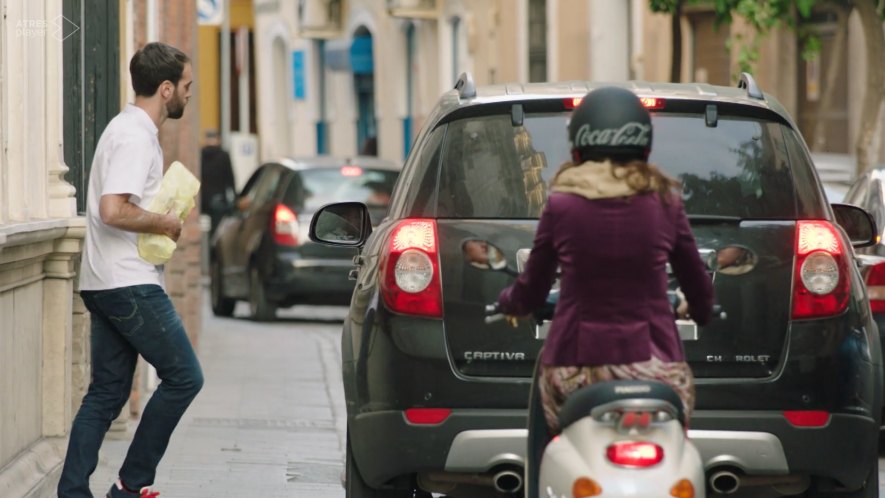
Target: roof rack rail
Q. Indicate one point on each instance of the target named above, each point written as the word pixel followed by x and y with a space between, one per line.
pixel 465 86
pixel 749 84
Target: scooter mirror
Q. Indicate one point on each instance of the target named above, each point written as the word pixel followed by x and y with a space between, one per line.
pixel 484 255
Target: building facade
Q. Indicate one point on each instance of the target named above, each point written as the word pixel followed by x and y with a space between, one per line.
pixel 333 73
pixel 63 76
pixel 41 326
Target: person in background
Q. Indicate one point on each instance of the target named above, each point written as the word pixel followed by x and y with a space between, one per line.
pixel 218 186
pixel 131 314
pixel 370 147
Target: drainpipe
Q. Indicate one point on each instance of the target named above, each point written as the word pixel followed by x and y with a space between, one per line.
pixel 225 77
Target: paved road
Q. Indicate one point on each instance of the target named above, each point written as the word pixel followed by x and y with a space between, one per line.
pixel 270 419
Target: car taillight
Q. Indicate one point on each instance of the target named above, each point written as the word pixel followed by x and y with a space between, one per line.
pixel 807 418
pixel 410 283
pixel 427 416
pixel 820 282
pixel 284 226
pixel 634 454
pixel 876 288
pixel 653 103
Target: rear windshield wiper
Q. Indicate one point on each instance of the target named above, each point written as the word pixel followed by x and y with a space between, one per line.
pixel 713 218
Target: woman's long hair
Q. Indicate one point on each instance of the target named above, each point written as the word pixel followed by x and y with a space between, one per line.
pixel 641 176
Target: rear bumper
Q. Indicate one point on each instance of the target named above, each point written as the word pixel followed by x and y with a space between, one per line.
pixel 842 450
pixel 756 443
pixel 296 279
pixel 385 445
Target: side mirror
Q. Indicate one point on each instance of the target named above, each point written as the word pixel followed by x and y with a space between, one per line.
pixel 344 224
pixel 484 255
pixel 857 223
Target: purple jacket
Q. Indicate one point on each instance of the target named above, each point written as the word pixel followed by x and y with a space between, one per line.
pixel 613 307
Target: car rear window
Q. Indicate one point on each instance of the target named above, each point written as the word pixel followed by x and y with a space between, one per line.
pixel 739 168
pixel 310 189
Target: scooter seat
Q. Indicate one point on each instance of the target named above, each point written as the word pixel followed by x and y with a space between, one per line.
pixel 580 403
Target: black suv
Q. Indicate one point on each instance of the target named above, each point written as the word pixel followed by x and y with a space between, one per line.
pixel 789 374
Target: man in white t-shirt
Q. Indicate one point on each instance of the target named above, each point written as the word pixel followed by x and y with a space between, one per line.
pixel 131 313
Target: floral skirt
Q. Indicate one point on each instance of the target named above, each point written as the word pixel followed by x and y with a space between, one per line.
pixel 557 383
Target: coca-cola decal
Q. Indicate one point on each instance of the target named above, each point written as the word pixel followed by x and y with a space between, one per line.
pixel 632 133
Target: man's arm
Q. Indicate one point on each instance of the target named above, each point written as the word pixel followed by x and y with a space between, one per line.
pixel 116 210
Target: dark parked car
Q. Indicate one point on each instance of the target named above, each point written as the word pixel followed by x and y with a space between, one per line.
pixel 868 192
pixel 261 252
pixel 789 373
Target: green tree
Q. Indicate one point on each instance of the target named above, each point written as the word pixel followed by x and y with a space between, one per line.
pixel 674 8
pixel 765 15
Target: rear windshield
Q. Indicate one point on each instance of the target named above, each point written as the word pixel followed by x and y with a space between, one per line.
pixel 739 168
pixel 310 189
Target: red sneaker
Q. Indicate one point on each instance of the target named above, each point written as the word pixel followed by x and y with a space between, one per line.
pixel 120 491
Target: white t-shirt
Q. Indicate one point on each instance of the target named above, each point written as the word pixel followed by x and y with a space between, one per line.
pixel 128 160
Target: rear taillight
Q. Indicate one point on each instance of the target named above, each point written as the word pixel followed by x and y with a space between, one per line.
pixel 427 416
pixel 637 454
pixel 807 418
pixel 284 226
pixel 876 288
pixel 410 283
pixel 820 282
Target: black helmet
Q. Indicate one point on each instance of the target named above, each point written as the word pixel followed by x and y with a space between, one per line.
pixel 610 123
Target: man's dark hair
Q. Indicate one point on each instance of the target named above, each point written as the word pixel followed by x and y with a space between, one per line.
pixel 153 64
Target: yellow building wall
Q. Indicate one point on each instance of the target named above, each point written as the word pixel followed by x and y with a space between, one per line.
pixel 508 49
pixel 209 72
pixel 573 40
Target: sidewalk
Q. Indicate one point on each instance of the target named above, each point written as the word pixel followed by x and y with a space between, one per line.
pixel 269 421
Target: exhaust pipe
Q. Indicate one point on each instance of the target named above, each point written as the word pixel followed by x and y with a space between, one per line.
pixel 507 481
pixel 724 482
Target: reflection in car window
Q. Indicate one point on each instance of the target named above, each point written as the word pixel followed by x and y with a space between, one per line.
pixel 260 187
pixel 492 169
pixel 740 168
pixel 317 187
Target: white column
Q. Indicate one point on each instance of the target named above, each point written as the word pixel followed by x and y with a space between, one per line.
pixel 522 37
pixel 552 40
pixel 4 77
pixel 637 15
pixel 609 32
pixel 58 291
pixel 62 202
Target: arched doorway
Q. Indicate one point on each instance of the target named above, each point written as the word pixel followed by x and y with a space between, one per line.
pixel 363 67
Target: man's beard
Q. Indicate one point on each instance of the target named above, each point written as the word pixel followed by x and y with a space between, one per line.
pixel 175 107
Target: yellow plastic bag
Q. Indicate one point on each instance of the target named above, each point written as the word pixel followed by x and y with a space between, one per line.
pixel 176 196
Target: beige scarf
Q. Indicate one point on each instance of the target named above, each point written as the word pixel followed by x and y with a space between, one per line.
pixel 594 180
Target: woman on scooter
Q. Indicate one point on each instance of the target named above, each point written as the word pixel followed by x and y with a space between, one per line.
pixel 611 224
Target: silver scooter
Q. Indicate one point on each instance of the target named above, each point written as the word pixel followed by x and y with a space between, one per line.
pixel 619 439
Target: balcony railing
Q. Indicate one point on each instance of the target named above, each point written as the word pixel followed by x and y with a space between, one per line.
pixel 414 9
pixel 321 18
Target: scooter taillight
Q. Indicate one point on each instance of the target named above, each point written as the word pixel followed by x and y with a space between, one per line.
pixel 635 454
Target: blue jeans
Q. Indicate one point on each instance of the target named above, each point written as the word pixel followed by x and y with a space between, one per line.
pixel 127 322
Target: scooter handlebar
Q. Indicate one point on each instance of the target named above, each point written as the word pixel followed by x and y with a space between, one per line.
pixel 493 313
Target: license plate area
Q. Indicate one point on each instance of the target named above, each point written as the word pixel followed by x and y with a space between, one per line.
pixel 688 329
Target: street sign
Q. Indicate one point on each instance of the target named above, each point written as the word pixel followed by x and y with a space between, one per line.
pixel 210 12
pixel 298 74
